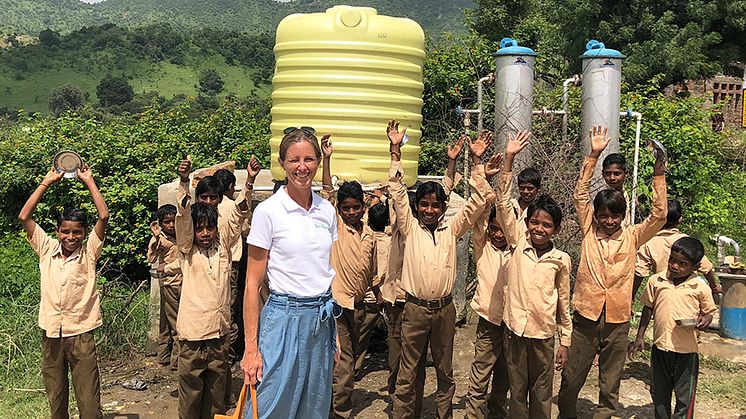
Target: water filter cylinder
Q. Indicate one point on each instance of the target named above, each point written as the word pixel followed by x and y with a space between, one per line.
pixel 514 95
pixel 602 88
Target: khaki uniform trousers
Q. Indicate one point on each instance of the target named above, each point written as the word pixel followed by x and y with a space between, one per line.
pixel 79 354
pixel 348 325
pixel 394 312
pixel 587 336
pixel 371 314
pixel 531 371
pixel 168 349
pixel 420 326
pixel 489 366
pixel 203 372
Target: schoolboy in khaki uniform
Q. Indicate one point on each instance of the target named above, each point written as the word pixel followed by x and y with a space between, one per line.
pixel 70 307
pixel 428 275
pixel 352 259
pixel 603 287
pixel 491 253
pixel 203 322
pixel 670 296
pixel 164 254
pixel 537 297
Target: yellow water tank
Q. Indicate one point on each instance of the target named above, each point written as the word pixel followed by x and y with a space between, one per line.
pixel 347 72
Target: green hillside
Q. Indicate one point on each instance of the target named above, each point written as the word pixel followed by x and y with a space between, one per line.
pixel 252 16
pixel 153 59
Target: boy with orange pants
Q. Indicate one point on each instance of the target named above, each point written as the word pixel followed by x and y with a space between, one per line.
pixel 603 287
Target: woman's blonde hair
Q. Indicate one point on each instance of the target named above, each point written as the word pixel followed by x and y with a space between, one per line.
pixel 298 136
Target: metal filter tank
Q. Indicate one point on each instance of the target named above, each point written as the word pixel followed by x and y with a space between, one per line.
pixel 347 72
pixel 514 95
pixel 602 88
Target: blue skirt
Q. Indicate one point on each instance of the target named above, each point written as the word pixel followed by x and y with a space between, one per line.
pixel 297 340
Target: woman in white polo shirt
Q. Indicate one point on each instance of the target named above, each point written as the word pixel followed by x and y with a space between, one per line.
pixel 291 349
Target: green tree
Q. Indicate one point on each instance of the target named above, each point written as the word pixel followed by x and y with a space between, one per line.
pixel 210 82
pixel 679 39
pixel 49 38
pixel 114 91
pixel 68 97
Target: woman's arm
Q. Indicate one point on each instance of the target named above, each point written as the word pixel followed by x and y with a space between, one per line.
pixel 252 359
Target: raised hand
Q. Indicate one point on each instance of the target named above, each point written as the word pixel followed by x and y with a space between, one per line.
pixel 395 136
pixel 52 177
pixel 517 142
pixel 598 139
pixel 184 169
pixel 455 149
pixel 326 146
pixel 493 166
pixel 252 169
pixel 84 174
pixel 479 146
pixel 155 228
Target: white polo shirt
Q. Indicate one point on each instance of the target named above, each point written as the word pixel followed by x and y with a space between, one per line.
pixel 299 243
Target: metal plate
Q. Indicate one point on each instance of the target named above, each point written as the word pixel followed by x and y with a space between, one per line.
pixel 67 162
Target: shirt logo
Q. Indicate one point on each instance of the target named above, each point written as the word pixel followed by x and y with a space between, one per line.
pixel 321 226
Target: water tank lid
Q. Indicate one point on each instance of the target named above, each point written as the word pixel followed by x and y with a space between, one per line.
pixel 509 46
pixel 597 49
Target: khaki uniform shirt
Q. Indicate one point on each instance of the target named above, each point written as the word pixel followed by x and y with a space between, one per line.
pixel 224 210
pixel 391 288
pixel 607 263
pixel 652 258
pixel 163 249
pixel 204 306
pixel 671 302
pixel 429 269
pixel 492 264
pixel 352 259
pixel 70 303
pixel 537 298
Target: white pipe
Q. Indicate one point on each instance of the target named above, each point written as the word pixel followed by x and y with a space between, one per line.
pixel 637 115
pixel 575 80
pixel 480 116
pixel 722 241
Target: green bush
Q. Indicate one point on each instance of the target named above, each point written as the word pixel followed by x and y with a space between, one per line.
pixel 130 157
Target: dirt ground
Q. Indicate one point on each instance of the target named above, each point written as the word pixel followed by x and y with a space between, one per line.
pixel 160 399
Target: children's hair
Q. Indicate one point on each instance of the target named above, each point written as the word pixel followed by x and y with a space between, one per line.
pixel 428 188
pixel 674 213
pixel 691 248
pixel 209 184
pixel 615 158
pixel 493 213
pixel 349 189
pixel 611 199
pixel 412 201
pixel 530 175
pixel 78 215
pixel 378 217
pixel 298 136
pixel 165 210
pixel 226 178
pixel 546 203
pixel 278 184
pixel 204 215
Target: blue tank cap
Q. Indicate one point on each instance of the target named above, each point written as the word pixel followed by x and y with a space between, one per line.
pixel 509 46
pixel 597 49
